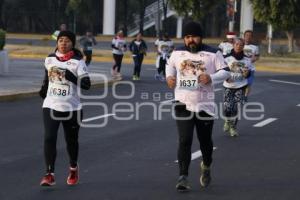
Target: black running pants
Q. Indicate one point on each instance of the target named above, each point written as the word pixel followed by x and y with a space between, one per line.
pixel 204 125
pixel 88 57
pixel 162 66
pixel 71 130
pixel 138 60
pixel 118 62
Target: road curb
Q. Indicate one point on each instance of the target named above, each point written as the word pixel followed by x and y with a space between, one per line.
pixel 17 96
pixel 285 70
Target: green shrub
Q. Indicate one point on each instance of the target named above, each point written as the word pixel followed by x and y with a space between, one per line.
pixel 2 39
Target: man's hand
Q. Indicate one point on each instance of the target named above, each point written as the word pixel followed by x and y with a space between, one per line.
pixel 204 79
pixel 171 81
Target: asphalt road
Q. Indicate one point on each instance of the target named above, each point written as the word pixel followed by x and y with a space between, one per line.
pixel 134 159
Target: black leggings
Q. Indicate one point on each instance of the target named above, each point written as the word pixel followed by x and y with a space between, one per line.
pixel 88 57
pixel 71 130
pixel 118 62
pixel 186 130
pixel 138 60
pixel 162 66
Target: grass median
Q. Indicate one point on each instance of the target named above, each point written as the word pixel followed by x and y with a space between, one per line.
pixel 270 63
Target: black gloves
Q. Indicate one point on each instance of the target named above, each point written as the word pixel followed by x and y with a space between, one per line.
pixel 85 82
pixel 44 88
pixel 70 76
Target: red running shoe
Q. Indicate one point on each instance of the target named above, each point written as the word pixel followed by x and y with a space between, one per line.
pixel 73 177
pixel 48 180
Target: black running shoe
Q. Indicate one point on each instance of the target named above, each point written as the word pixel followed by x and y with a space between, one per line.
pixel 183 184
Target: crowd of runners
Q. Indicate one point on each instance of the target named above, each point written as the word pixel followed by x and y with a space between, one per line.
pixel 191 70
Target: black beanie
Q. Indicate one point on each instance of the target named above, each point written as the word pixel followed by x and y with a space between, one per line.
pixel 192 28
pixel 68 34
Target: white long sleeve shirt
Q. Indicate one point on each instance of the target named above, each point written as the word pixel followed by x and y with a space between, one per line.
pixel 187 67
pixel 237 80
pixel 62 95
pixel 119 44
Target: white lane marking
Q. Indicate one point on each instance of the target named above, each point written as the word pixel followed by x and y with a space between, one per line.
pixel 287 82
pixel 298 105
pixel 151 69
pixel 218 89
pixel 99 71
pixel 196 155
pixel 97 117
pixel 265 122
pixel 167 101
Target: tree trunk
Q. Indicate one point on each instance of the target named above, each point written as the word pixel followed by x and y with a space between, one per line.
pixel 125 7
pixel 214 25
pixel 290 35
pixel 142 13
pixel 1 5
pixel 165 9
pixel 141 23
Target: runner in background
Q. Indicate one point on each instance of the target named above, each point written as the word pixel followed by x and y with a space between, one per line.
pixel 234 94
pixel 138 49
pixel 62 27
pixel 165 47
pixel 119 47
pixel 87 43
pixel 227 44
pixel 251 51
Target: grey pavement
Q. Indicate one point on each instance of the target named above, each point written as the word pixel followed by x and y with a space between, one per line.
pixel 25 77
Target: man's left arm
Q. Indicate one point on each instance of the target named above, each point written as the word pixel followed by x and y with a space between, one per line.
pixel 222 70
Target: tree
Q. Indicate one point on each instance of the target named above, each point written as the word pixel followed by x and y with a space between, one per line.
pixel 1 5
pixel 84 12
pixel 281 14
pixel 165 10
pixel 197 9
pixel 126 9
pixel 142 8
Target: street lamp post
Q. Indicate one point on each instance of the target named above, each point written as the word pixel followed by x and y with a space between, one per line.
pixel 246 22
pixel 158 19
pixel 269 36
pixel 109 8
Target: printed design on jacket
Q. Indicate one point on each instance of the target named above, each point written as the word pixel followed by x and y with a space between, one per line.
pixel 237 68
pixel 165 51
pixel 58 85
pixel 189 72
pixel 248 52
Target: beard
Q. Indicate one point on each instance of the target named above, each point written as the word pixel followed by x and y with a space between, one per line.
pixel 193 47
